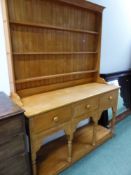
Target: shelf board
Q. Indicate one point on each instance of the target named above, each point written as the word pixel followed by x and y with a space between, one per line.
pixel 53 76
pixel 53 27
pixel 53 53
pixel 53 151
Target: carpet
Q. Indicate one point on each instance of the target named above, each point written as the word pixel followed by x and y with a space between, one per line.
pixel 111 158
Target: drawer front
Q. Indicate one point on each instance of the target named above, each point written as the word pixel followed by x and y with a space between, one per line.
pixel 12 147
pixel 108 100
pixel 50 119
pixel 10 127
pixel 15 166
pixel 85 106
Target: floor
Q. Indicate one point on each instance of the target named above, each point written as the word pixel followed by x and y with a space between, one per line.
pixel 112 158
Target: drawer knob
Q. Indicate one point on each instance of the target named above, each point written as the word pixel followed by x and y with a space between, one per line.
pixel 88 106
pixel 110 98
pixel 56 119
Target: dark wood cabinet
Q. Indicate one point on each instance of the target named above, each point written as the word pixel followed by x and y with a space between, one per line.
pixel 124 81
pixel 14 159
pixel 123 78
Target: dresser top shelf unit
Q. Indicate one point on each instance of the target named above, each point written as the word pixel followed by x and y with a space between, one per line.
pixel 56 47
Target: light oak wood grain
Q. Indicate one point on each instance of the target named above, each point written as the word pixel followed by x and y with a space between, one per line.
pixel 56 62
pixel 81 147
pixel 66 37
pixel 40 103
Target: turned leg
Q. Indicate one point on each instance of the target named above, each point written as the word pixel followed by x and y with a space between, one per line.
pixel 95 119
pixel 70 138
pixel 94 132
pixel 69 132
pixel 34 167
pixel 35 146
pixel 113 121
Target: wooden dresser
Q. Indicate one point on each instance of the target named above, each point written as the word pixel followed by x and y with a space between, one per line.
pixel 53 49
pixel 13 148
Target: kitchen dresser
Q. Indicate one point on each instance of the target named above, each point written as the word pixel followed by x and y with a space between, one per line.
pixel 14 157
pixel 53 49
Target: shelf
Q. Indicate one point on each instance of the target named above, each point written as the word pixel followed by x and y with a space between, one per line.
pixel 53 76
pixel 53 53
pixel 53 151
pixel 52 27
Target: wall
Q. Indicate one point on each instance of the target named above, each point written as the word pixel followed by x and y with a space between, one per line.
pixel 4 80
pixel 116 37
pixel 116 40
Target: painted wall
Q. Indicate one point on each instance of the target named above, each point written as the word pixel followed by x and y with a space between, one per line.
pixel 4 80
pixel 116 36
pixel 116 40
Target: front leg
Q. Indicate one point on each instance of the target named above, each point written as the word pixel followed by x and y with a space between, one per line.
pixel 35 147
pixel 70 138
pixel 95 119
pixel 34 168
pixel 33 157
pixel 95 123
pixel 69 133
pixel 113 121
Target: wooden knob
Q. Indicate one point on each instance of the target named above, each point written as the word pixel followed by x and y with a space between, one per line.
pixel 110 98
pixel 88 106
pixel 56 119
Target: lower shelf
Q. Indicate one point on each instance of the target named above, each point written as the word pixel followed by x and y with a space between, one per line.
pixel 55 153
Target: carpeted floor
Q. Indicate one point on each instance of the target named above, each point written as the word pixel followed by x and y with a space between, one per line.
pixel 112 158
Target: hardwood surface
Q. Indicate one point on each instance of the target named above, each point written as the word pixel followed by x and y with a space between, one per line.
pixel 39 103
pixel 65 112
pixel 51 156
pixel 53 27
pixel 67 37
pixel 54 48
pixel 14 158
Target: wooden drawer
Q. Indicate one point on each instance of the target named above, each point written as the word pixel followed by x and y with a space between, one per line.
pixel 10 127
pixel 108 99
pixel 12 147
pixel 50 119
pixel 85 106
pixel 15 166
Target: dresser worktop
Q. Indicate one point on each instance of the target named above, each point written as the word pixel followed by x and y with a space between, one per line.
pixel 44 102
